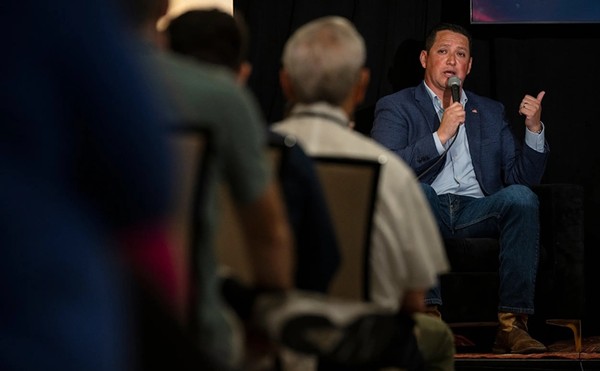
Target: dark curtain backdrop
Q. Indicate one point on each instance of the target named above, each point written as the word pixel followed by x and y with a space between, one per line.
pixel 508 61
pixel 384 24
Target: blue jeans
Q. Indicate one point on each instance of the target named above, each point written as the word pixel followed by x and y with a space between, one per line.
pixel 511 215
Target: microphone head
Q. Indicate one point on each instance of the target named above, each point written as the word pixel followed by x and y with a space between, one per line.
pixel 453 81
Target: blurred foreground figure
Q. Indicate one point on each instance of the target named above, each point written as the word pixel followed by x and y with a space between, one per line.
pixel 215 37
pixel 83 170
pixel 207 97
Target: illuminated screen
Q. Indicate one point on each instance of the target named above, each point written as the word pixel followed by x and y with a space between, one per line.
pixel 535 11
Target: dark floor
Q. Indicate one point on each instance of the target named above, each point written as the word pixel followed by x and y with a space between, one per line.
pixel 561 355
pixel 480 339
pixel 526 364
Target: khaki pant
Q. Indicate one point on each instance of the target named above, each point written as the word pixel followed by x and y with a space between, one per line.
pixel 435 341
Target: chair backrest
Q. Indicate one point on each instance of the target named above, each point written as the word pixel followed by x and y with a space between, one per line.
pixel 350 188
pixel 231 251
pixel 190 146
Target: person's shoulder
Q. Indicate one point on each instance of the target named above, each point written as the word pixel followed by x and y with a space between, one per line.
pixel 402 98
pixel 202 89
pixel 400 94
pixel 286 142
pixel 390 160
pixel 189 71
pixel 285 127
pixel 369 147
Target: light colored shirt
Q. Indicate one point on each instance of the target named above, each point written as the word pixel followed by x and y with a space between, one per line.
pixel 458 175
pixel 406 248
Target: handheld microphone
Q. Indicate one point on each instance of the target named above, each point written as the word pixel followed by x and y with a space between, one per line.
pixel 454 84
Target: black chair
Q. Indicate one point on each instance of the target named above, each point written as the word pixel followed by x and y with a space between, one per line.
pixel 191 149
pixel 351 187
pixel 163 342
pixel 470 290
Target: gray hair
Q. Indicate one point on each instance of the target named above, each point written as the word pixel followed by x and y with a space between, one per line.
pixel 323 59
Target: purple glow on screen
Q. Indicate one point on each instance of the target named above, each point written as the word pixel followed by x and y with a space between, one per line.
pixel 535 11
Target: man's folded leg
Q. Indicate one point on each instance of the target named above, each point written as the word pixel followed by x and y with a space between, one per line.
pixel 435 341
pixel 342 334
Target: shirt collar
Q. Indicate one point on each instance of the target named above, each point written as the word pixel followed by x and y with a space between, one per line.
pixel 323 110
pixel 437 103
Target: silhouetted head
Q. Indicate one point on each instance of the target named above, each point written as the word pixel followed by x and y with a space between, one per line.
pixel 210 35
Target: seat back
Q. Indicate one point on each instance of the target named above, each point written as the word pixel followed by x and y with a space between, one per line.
pixel 190 147
pixel 350 188
pixel 231 251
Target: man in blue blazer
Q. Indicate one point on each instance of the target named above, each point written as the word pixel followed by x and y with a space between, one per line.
pixel 475 174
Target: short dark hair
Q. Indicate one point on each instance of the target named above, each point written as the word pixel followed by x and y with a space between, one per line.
pixel 430 39
pixel 210 35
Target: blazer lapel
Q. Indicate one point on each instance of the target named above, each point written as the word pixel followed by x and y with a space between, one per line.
pixel 426 107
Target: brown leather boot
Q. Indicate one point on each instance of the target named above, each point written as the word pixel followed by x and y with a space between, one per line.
pixel 512 336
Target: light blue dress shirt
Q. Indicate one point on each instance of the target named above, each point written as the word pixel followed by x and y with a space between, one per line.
pixel 458 176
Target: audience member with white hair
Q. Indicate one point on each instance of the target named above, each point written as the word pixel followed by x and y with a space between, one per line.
pixel 324 77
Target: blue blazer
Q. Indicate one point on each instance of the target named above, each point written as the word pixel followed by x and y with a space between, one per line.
pixel 404 123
